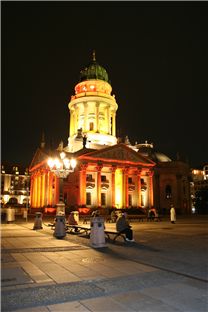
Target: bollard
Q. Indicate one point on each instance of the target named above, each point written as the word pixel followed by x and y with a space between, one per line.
pixel 10 214
pixel 38 221
pixel 97 234
pixel 25 214
pixel 60 226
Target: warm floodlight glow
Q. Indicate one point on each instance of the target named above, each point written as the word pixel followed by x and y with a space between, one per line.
pixel 118 188
pixel 51 163
pixel 57 163
pixel 66 163
pixel 62 155
pixel 73 163
pixel 62 166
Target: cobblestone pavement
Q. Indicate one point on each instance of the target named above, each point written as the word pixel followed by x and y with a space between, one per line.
pixel 165 270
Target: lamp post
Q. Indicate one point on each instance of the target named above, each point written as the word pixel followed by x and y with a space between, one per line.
pixel 61 167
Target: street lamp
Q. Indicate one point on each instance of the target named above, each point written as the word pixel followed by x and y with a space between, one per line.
pixel 61 167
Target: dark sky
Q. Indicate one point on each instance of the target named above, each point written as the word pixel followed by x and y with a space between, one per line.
pixel 156 55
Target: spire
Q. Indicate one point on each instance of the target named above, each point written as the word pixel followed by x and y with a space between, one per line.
pixel 93 56
pixel 42 144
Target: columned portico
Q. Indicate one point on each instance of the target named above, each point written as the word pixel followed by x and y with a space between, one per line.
pixel 113 169
pixel 126 187
pixel 138 172
pixel 99 168
pixel 82 183
pixel 150 174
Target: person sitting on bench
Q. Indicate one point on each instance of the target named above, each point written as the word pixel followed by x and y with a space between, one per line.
pixel 122 225
pixel 72 221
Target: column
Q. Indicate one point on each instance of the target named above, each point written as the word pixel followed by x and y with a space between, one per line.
pixel 42 188
pixel 50 177
pixel 139 187
pixel 108 120
pixel 46 188
pixel 99 168
pixel 126 187
pixel 150 188
pixel 85 117
pixel 38 193
pixel 97 116
pixel 32 191
pixel 82 184
pixel 75 120
pixel 113 200
pixel 114 124
pixel 35 193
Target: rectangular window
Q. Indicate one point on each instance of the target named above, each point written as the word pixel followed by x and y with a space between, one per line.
pixel 89 177
pixel 103 178
pixel 130 180
pixel 88 198
pixel 91 126
pixel 130 200
pixel 103 199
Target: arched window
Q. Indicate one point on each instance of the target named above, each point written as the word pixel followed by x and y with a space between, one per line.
pixel 168 192
pixel 91 126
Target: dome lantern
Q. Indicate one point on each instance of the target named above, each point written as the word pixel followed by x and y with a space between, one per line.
pixel 93 71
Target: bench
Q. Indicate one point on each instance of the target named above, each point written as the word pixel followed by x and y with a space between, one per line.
pixel 115 235
pixel 75 229
pixel 85 218
pixel 139 218
pixel 157 219
pixel 78 229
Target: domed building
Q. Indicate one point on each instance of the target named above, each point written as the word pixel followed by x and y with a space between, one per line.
pixel 108 174
pixel 92 110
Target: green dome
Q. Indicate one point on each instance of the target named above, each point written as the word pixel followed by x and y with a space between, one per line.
pixel 94 71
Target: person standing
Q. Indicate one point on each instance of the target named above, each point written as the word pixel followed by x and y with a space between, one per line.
pixel 122 225
pixel 172 214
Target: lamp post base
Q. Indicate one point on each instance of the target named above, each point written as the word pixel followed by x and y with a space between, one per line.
pixel 60 208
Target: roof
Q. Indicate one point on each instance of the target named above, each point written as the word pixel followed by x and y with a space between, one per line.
pixel 93 71
pixel 118 153
pixel 148 151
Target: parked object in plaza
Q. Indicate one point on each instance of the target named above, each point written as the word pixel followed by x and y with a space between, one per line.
pixel 38 221
pixel 172 214
pixel 60 225
pixel 97 234
pixel 122 226
pixel 10 215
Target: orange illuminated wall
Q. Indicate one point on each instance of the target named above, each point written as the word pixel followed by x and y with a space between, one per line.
pixel 118 188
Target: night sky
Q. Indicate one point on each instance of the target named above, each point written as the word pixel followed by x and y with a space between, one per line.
pixel 156 55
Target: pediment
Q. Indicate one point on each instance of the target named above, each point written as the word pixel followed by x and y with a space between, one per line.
pixel 118 152
pixel 39 157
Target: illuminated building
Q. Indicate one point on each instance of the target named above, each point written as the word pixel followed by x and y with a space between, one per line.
pixel 199 189
pixel 108 174
pixel 15 185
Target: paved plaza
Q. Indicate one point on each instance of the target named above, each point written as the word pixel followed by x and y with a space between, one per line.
pixel 164 271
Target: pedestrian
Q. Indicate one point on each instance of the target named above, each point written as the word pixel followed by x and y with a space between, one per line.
pixel 95 214
pixel 122 225
pixel 113 216
pixel 172 214
pixel 71 219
